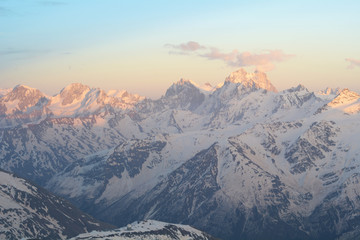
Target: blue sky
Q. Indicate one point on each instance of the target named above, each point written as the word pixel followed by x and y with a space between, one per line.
pixel 139 45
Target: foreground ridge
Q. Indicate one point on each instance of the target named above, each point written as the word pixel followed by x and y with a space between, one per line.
pixel 28 211
pixel 148 230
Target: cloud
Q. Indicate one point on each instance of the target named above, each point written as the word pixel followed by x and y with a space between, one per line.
pixel 190 46
pixel 353 62
pixel 262 61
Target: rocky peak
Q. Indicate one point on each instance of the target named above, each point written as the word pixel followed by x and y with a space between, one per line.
pixel 251 80
pixel 330 91
pixel 299 88
pixel 72 92
pixel 184 94
pixel 181 86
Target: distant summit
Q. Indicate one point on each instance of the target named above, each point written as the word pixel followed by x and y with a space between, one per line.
pixel 72 92
pixel 344 97
pixel 251 80
pixel 181 86
pixel 330 91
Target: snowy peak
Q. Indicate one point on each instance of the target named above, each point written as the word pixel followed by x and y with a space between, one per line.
pixel 251 80
pixel 23 104
pixel 149 229
pixel 21 97
pixel 125 97
pixel 73 92
pixel 347 101
pixel 345 97
pixel 80 100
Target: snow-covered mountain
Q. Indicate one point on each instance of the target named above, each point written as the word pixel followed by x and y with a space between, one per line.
pixel 24 105
pixel 28 211
pixel 149 230
pixel 240 160
pixel 251 80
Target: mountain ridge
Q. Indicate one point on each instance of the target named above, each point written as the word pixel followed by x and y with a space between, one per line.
pixel 239 159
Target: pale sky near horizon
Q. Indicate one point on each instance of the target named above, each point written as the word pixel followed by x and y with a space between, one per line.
pixel 145 46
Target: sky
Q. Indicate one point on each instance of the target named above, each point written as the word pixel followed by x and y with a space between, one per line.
pixel 145 46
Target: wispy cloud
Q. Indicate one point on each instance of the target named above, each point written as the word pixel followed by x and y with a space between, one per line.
pixel 21 53
pixel 262 61
pixel 353 62
pixel 11 52
pixel 190 46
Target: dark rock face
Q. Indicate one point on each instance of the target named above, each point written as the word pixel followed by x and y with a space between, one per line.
pixel 39 151
pixel 132 159
pixel 303 154
pixel 183 95
pixel 183 192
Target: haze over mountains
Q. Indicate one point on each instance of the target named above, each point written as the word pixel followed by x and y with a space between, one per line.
pixel 239 160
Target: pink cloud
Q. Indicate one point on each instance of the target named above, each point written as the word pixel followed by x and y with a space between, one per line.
pixel 262 61
pixel 353 62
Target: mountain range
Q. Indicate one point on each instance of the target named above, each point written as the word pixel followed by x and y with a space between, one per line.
pixel 240 160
